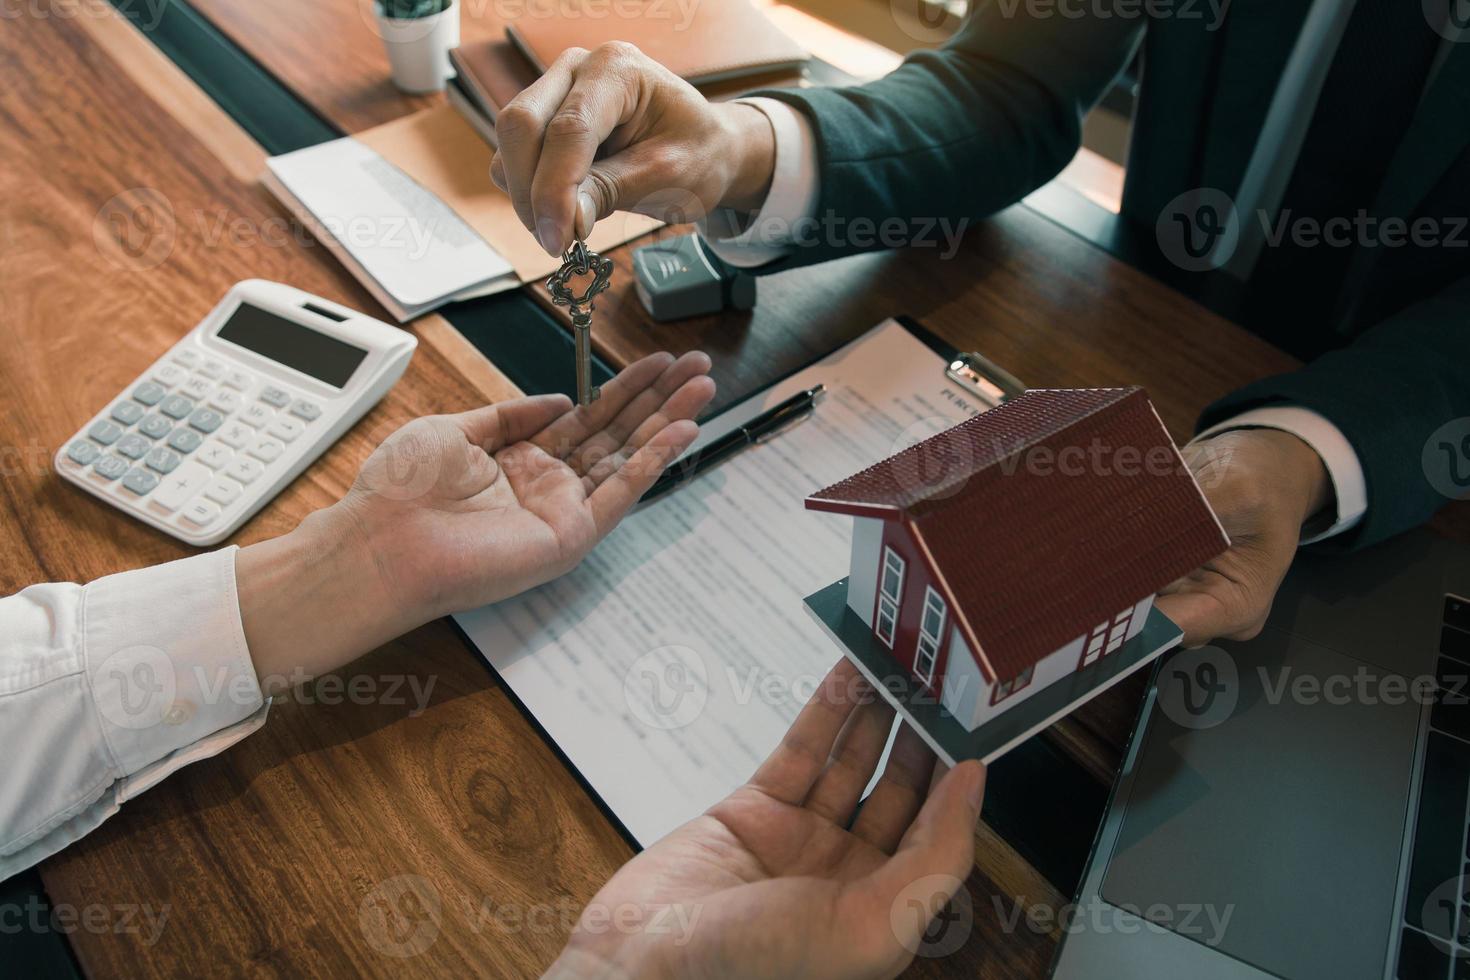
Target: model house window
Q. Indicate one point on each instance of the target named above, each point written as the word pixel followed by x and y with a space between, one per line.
pixel 890 587
pixel 1106 637
pixel 1096 640
pixel 1005 689
pixel 1119 630
pixel 931 628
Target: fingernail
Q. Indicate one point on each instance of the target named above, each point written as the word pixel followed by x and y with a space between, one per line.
pixel 546 234
pixel 975 792
pixel 586 214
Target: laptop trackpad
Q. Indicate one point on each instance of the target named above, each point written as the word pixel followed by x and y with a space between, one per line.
pixel 1275 835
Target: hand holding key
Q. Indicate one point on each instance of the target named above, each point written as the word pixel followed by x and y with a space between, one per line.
pixel 580 261
pixel 613 130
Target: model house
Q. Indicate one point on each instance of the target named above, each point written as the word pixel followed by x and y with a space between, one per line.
pixel 1022 546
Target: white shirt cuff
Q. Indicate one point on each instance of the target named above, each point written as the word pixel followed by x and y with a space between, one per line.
pixel 1343 467
pixel 746 242
pixel 107 688
pixel 170 673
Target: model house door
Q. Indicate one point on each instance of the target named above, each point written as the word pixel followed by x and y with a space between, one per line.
pixel 890 596
pixel 931 628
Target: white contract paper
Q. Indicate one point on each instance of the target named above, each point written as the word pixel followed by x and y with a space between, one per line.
pixel 671 662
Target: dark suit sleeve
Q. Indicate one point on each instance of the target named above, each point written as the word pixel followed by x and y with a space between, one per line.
pixel 956 133
pixel 1389 393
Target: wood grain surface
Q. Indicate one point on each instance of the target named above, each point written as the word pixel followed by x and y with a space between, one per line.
pixel 270 858
pixel 1047 305
pixel 262 859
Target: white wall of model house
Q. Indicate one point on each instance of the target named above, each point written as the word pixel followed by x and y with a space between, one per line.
pixel 966 695
pixel 862 580
pixel 964 690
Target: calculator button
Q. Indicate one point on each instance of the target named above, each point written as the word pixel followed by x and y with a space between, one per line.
pixel 223 491
pixel 244 470
pixel 185 440
pixel 127 412
pixel 211 369
pixel 201 512
pixel 275 397
pixel 140 481
pixel 82 453
pixel 177 488
pixel 187 358
pixel 104 432
pixel 155 427
pixel 305 410
pixel 169 375
pixel 110 467
pixel 236 435
pixel 162 460
pixel 206 420
pixel 257 415
pixel 286 429
pixel 215 455
pixel 239 380
pixel 149 393
pixel 268 450
pixel 225 400
pixel 176 406
pixel 132 445
pixel 197 388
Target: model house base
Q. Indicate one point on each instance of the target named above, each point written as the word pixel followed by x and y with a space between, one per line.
pixel 923 709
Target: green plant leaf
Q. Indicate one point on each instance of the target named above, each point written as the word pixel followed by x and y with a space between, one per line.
pixel 412 9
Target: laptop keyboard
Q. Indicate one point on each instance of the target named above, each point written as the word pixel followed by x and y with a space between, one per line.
pixel 1435 941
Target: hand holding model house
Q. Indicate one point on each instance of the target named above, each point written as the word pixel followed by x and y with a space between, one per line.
pixel 1002 570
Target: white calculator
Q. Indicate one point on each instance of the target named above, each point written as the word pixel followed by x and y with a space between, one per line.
pixel 235 410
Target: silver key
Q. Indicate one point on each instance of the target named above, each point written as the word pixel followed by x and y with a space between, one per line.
pixel 580 261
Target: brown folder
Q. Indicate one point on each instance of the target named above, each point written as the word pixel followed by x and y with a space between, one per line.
pixel 702 43
pixel 492 72
pixel 444 156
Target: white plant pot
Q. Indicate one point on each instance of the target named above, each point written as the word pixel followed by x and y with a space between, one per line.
pixel 418 49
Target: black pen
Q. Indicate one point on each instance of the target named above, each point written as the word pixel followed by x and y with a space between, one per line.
pixel 763 426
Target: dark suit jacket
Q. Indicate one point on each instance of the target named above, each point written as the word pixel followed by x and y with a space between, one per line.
pixel 971 128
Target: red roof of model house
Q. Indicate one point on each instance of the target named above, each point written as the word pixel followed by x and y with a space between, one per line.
pixel 1043 517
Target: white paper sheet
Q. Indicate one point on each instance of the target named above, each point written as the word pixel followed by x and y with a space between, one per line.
pixel 407 240
pixel 671 662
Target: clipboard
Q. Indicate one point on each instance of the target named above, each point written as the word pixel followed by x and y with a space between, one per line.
pixel 977 374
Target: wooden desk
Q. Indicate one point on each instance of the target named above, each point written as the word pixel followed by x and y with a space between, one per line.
pixel 1052 308
pixel 264 857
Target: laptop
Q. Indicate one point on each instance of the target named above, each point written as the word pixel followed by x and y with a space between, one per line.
pixel 1295 806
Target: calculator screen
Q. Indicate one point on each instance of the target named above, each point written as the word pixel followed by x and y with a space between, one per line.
pixel 292 344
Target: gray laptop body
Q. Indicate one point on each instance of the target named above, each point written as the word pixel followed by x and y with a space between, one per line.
pixel 1295 806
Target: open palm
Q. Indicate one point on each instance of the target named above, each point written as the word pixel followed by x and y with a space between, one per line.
pixel 468 509
pixel 773 882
